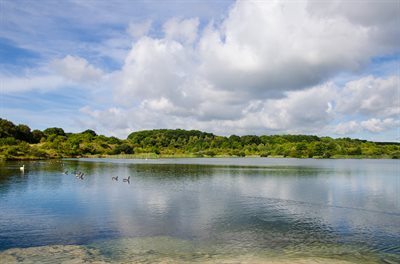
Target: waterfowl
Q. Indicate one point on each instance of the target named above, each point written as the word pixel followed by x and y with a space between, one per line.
pixel 79 175
pixel 127 179
pixel 22 168
pixel 114 178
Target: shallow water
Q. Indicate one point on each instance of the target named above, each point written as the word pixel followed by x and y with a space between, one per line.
pixel 250 210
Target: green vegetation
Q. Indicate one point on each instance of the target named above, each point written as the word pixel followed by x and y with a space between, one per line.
pixel 19 142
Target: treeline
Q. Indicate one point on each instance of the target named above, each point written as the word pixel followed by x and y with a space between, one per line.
pixel 19 142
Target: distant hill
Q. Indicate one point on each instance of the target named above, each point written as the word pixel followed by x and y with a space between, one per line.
pixel 19 142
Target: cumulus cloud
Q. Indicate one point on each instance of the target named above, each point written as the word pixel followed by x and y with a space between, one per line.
pixel 153 68
pixel 137 30
pixel 377 125
pixel 373 125
pixel 270 73
pixel 380 18
pixel 76 69
pixel 281 47
pixel 299 112
pixel 371 96
pixel 284 46
pixel 183 30
pixel 308 111
pixel 258 116
pixel 346 128
pixel 267 66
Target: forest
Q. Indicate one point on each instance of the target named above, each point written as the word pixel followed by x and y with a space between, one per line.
pixel 18 142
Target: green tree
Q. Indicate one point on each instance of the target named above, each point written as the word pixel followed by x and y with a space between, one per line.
pixel 23 132
pixel 37 135
pixel 7 128
pixel 54 131
pixel 123 149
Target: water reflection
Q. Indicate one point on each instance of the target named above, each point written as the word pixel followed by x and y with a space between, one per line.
pixel 237 205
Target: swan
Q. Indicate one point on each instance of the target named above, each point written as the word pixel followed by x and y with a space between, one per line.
pixel 127 179
pixel 22 168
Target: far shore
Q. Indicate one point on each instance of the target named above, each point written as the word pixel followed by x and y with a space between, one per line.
pixel 188 156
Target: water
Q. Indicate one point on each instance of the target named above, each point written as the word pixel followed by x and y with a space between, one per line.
pixel 248 210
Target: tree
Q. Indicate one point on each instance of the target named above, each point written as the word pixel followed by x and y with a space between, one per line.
pixel 250 139
pixel 23 132
pixel 54 131
pixel 123 148
pixel 37 135
pixel 90 132
pixel 7 128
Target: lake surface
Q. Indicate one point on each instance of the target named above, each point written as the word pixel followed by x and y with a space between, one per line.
pixel 238 210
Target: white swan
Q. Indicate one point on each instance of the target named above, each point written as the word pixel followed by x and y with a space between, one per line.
pixel 22 168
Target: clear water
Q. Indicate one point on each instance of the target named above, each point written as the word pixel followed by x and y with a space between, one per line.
pixel 247 210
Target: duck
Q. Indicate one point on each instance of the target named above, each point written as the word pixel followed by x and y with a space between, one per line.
pixel 114 178
pixel 127 179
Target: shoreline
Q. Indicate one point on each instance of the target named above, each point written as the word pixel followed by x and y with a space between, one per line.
pixel 75 253
pixel 189 156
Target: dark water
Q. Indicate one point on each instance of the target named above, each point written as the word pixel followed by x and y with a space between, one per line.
pixel 205 209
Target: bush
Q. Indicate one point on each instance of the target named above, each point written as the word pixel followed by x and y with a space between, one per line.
pixel 8 141
pixel 123 148
pixel 210 153
pixel 238 153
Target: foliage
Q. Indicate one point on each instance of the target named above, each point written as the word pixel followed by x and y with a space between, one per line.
pixel 19 142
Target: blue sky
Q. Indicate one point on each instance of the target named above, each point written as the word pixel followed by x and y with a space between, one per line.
pixel 228 67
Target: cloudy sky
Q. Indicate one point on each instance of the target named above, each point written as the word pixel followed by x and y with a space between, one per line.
pixel 227 67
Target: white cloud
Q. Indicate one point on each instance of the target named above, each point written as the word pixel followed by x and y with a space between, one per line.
pixel 310 111
pixel 266 67
pixel 377 125
pixel 16 84
pixel 307 111
pixel 379 18
pixel 218 116
pixel 162 104
pixel 69 70
pixel 371 96
pixel 253 76
pixel 153 68
pixel 282 46
pixel 373 125
pixel 365 13
pixel 182 30
pixel 346 128
pixel 76 69
pixel 137 30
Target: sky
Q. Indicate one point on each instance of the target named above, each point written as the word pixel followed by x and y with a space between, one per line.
pixel 326 68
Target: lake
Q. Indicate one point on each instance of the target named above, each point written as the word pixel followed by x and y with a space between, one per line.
pixel 234 210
